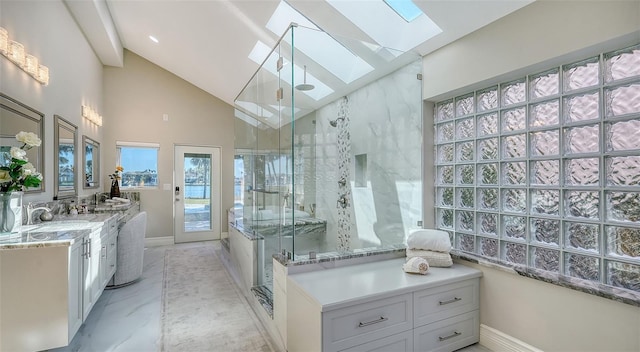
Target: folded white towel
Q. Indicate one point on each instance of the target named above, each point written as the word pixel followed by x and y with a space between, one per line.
pixel 435 259
pixel 432 240
pixel 416 265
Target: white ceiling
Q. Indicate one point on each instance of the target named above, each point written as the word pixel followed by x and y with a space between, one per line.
pixel 207 42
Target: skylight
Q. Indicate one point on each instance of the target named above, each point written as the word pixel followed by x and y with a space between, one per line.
pixel 405 8
pixel 318 45
pixel 397 33
pixel 260 52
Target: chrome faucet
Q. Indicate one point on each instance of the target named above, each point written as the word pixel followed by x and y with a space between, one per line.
pixel 31 210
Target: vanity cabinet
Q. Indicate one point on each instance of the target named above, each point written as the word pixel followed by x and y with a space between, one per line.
pixel 99 262
pixel 50 283
pixel 378 307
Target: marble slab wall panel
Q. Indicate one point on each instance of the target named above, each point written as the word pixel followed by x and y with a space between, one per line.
pixel 383 123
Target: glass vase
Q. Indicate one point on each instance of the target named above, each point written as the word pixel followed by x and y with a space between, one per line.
pixel 115 189
pixel 10 213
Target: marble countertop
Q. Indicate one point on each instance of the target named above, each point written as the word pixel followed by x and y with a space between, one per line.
pixel 64 230
pixel 111 207
pixel 586 286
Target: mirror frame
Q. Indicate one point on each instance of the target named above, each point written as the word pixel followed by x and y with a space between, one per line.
pixel 58 124
pixel 17 108
pixel 95 163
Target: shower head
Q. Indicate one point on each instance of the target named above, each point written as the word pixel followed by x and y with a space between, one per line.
pixel 334 123
pixel 305 86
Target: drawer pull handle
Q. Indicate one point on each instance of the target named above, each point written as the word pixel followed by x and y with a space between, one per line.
pixel 455 333
pixel 373 322
pixel 455 299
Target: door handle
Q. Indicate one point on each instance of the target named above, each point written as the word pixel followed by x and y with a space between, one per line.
pixel 177 190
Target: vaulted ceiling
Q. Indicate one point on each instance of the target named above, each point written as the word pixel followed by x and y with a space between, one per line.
pixel 208 42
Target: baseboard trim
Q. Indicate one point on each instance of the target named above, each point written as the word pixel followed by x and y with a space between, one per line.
pixel 496 340
pixel 158 241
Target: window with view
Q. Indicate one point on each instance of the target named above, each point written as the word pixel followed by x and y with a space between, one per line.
pixel 544 171
pixel 140 164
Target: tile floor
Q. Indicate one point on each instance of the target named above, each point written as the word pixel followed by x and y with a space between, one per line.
pixel 128 319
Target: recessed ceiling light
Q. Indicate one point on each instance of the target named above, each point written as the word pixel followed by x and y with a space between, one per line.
pixel 154 39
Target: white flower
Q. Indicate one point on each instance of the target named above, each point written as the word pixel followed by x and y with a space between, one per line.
pixel 4 176
pixel 18 153
pixel 28 169
pixel 28 138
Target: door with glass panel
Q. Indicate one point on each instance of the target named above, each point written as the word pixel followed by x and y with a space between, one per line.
pixel 196 192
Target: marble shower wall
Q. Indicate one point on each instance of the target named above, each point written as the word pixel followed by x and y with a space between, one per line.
pixel 377 148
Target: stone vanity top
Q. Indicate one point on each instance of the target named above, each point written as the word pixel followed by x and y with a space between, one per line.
pixel 62 231
pixel 111 207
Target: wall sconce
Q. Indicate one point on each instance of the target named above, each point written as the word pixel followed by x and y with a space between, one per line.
pixel 15 52
pixel 91 115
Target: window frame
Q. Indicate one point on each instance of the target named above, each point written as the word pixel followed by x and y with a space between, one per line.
pixel 139 145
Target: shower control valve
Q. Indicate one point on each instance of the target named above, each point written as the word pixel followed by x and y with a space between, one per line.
pixel 343 201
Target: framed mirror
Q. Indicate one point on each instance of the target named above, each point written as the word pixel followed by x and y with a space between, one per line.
pixel 64 153
pixel 90 163
pixel 14 118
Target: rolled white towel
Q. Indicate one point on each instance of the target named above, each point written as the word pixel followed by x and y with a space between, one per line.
pixel 432 240
pixel 435 259
pixel 416 265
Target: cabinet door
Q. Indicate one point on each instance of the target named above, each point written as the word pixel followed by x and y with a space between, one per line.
pixel 104 265
pixel 76 260
pixel 445 301
pixel 87 278
pixel 94 257
pixel 402 342
pixel 359 323
pixel 112 254
pixel 449 334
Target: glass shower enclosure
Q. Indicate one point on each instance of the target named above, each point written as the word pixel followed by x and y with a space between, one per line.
pixel 328 148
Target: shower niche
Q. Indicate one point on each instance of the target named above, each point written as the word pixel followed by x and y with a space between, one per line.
pixel 328 144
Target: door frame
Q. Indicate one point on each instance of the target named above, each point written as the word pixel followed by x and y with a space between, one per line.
pixel 216 202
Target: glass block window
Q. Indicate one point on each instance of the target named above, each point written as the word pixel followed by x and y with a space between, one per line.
pixel 544 171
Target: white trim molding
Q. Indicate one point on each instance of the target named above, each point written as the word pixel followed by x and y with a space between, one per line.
pixel 496 340
pixel 158 241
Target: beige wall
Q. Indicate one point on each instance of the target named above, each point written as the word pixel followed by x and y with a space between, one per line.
pixel 542 32
pixel 536 37
pixel 135 99
pixel 554 318
pixel 47 30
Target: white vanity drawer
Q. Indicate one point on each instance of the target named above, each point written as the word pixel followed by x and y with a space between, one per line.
pixel 402 342
pixel 446 301
pixel 449 334
pixel 357 324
